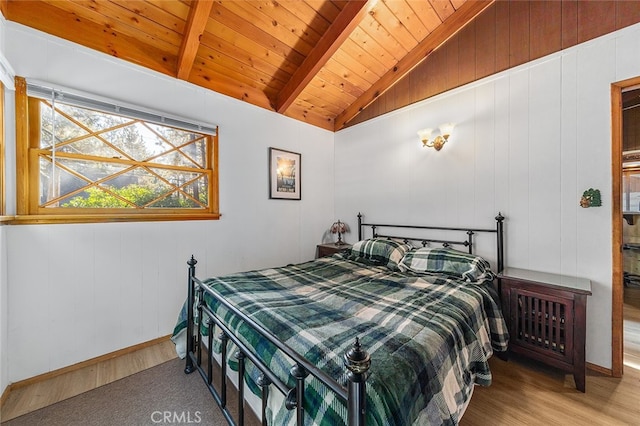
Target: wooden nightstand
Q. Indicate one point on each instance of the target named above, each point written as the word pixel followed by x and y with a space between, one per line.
pixel 330 248
pixel 547 315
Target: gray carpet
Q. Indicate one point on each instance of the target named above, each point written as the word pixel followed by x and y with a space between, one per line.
pixel 157 396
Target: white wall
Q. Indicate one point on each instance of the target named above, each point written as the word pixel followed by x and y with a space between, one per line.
pixel 82 290
pixel 528 142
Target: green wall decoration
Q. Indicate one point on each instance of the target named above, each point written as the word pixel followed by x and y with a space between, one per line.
pixel 591 198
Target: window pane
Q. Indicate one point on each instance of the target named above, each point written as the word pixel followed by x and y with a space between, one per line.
pixel 136 141
pixel 197 152
pixel 90 146
pixel 191 155
pixel 69 176
pixel 192 186
pixel 191 195
pixel 64 129
pixel 106 161
pixel 93 120
pixel 92 171
pixel 96 197
pixel 59 184
pixel 631 191
pixel 174 136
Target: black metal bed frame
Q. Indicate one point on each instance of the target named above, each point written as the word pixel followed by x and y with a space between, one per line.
pixel 499 230
pixel 356 360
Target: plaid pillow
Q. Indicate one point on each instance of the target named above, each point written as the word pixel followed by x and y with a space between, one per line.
pixel 467 266
pixel 379 251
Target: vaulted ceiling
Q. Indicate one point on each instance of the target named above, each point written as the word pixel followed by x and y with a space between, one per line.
pixel 318 61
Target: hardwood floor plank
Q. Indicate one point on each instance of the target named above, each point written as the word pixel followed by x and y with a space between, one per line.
pixel 524 393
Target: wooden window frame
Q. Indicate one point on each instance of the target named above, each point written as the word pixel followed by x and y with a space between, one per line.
pixel 28 209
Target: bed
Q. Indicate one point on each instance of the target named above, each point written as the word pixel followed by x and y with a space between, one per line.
pixel 396 331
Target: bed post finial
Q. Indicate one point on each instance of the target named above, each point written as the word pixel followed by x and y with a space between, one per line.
pixel 189 368
pixel 357 362
pixel 470 241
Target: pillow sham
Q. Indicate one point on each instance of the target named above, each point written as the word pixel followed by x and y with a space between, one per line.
pixel 379 251
pixel 448 261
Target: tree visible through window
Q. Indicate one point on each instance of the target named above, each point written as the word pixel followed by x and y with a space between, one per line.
pixel 94 162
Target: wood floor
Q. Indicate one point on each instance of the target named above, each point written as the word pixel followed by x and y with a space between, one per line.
pixel 522 393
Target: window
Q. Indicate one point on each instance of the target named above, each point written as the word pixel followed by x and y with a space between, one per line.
pixel 84 160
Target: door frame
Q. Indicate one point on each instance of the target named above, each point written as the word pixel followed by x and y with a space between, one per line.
pixel 617 277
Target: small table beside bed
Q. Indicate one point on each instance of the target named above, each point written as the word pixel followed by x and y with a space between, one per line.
pixel 397 330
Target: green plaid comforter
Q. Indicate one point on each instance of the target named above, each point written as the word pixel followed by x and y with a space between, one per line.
pixel 429 337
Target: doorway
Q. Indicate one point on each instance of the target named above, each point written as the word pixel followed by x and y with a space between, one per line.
pixel 621 94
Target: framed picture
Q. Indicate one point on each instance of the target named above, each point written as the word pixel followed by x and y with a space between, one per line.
pixel 284 174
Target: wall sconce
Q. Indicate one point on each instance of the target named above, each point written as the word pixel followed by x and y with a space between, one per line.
pixel 438 142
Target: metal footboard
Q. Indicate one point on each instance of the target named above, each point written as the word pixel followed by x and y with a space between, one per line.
pixel 356 360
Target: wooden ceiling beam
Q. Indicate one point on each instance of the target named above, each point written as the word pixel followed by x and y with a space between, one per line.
pixel 347 21
pixel 442 33
pixel 196 23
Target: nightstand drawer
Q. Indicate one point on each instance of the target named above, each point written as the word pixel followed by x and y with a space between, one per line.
pixel 323 250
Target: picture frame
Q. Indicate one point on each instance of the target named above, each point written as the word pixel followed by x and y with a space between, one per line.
pixel 285 172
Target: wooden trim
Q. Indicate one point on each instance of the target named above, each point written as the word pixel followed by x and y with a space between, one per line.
pixel 196 23
pixel 617 291
pixel 145 164
pixel 458 20
pixel 616 233
pixel 339 31
pixel 87 363
pixel 110 218
pixel 214 189
pixel 32 166
pixel 22 146
pixel 5 394
pixel 599 369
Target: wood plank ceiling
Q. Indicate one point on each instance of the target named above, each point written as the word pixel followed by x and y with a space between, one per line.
pixel 318 61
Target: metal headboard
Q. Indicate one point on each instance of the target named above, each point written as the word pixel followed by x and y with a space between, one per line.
pixel 468 242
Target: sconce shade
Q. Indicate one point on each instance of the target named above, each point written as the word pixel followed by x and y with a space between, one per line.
pixel 425 134
pixel 446 130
